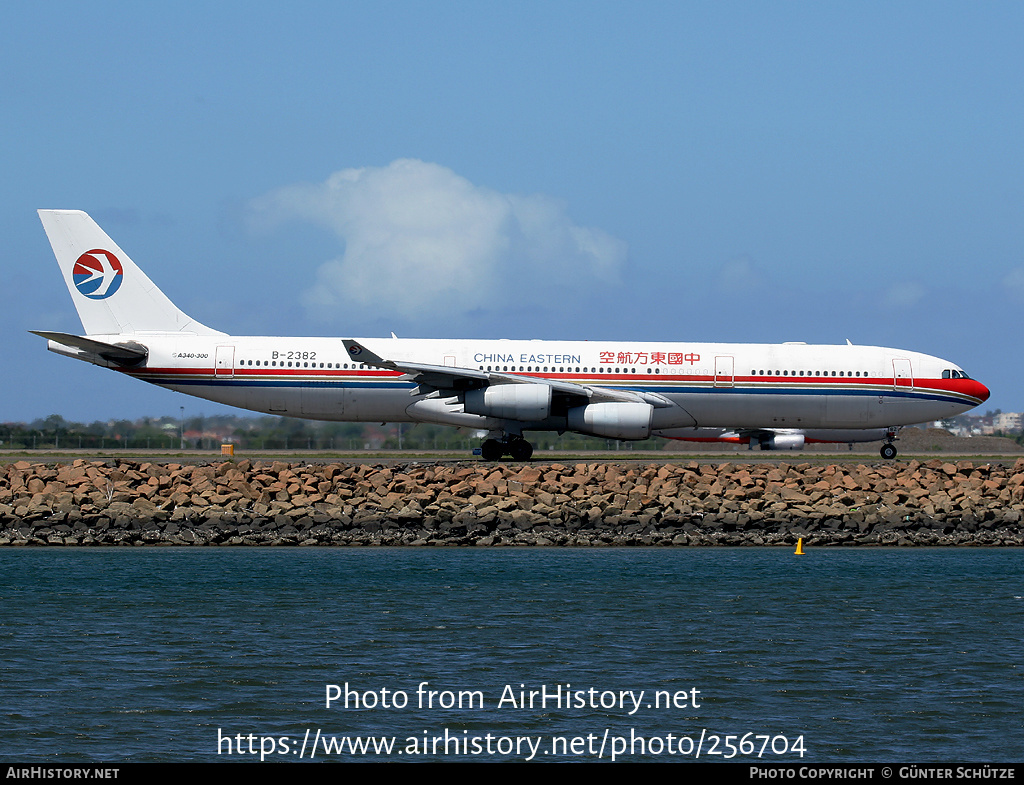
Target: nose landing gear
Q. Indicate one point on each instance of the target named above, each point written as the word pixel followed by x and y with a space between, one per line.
pixel 888 450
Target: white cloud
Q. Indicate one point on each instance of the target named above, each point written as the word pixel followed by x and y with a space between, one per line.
pixel 903 295
pixel 740 275
pixel 1013 283
pixel 419 239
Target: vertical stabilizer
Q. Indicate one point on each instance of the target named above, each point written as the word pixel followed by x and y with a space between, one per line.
pixel 112 295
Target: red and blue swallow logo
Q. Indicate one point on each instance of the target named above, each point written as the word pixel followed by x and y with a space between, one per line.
pixel 97 274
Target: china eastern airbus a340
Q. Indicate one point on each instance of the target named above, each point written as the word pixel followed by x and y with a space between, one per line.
pixel 774 395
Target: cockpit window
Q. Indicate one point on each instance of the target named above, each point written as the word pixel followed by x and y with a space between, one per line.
pixel 953 373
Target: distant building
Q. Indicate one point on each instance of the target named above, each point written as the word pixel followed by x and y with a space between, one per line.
pixel 1008 422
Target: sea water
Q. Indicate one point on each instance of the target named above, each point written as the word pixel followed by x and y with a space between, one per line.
pixel 743 654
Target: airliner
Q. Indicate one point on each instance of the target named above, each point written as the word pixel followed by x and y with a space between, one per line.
pixel 775 396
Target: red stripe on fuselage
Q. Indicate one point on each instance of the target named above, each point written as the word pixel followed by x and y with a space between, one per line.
pixel 964 387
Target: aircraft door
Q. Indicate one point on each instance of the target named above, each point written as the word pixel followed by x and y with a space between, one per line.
pixel 724 371
pixel 224 365
pixel 902 374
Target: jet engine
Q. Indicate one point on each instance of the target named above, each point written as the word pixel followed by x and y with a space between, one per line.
pixel 617 420
pixel 525 402
pixel 782 441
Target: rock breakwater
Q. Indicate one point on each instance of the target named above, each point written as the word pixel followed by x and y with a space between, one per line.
pixel 587 504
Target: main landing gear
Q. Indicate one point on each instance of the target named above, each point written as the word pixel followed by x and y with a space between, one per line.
pixel 516 446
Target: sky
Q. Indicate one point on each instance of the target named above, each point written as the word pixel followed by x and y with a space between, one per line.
pixel 707 171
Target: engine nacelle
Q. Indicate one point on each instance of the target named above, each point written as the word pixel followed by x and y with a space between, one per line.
pixel 524 402
pixel 783 441
pixel 613 419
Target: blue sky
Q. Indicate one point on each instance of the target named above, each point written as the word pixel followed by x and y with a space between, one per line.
pixel 735 171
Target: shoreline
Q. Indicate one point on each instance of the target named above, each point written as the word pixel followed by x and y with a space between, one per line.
pixel 692 502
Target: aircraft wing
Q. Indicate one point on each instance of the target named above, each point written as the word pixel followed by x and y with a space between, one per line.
pixel 443 377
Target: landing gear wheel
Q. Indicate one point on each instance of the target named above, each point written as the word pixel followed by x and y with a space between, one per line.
pixel 492 450
pixel 888 451
pixel 520 450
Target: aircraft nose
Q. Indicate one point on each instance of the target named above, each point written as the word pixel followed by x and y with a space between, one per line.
pixel 980 391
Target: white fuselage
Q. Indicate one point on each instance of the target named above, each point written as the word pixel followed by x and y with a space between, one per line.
pixel 701 384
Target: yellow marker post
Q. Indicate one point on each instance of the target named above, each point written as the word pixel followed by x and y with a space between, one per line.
pixel 800 547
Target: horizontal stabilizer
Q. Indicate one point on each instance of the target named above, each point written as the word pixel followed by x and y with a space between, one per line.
pixel 124 353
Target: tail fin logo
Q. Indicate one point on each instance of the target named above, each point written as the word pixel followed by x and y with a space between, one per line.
pixel 97 274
